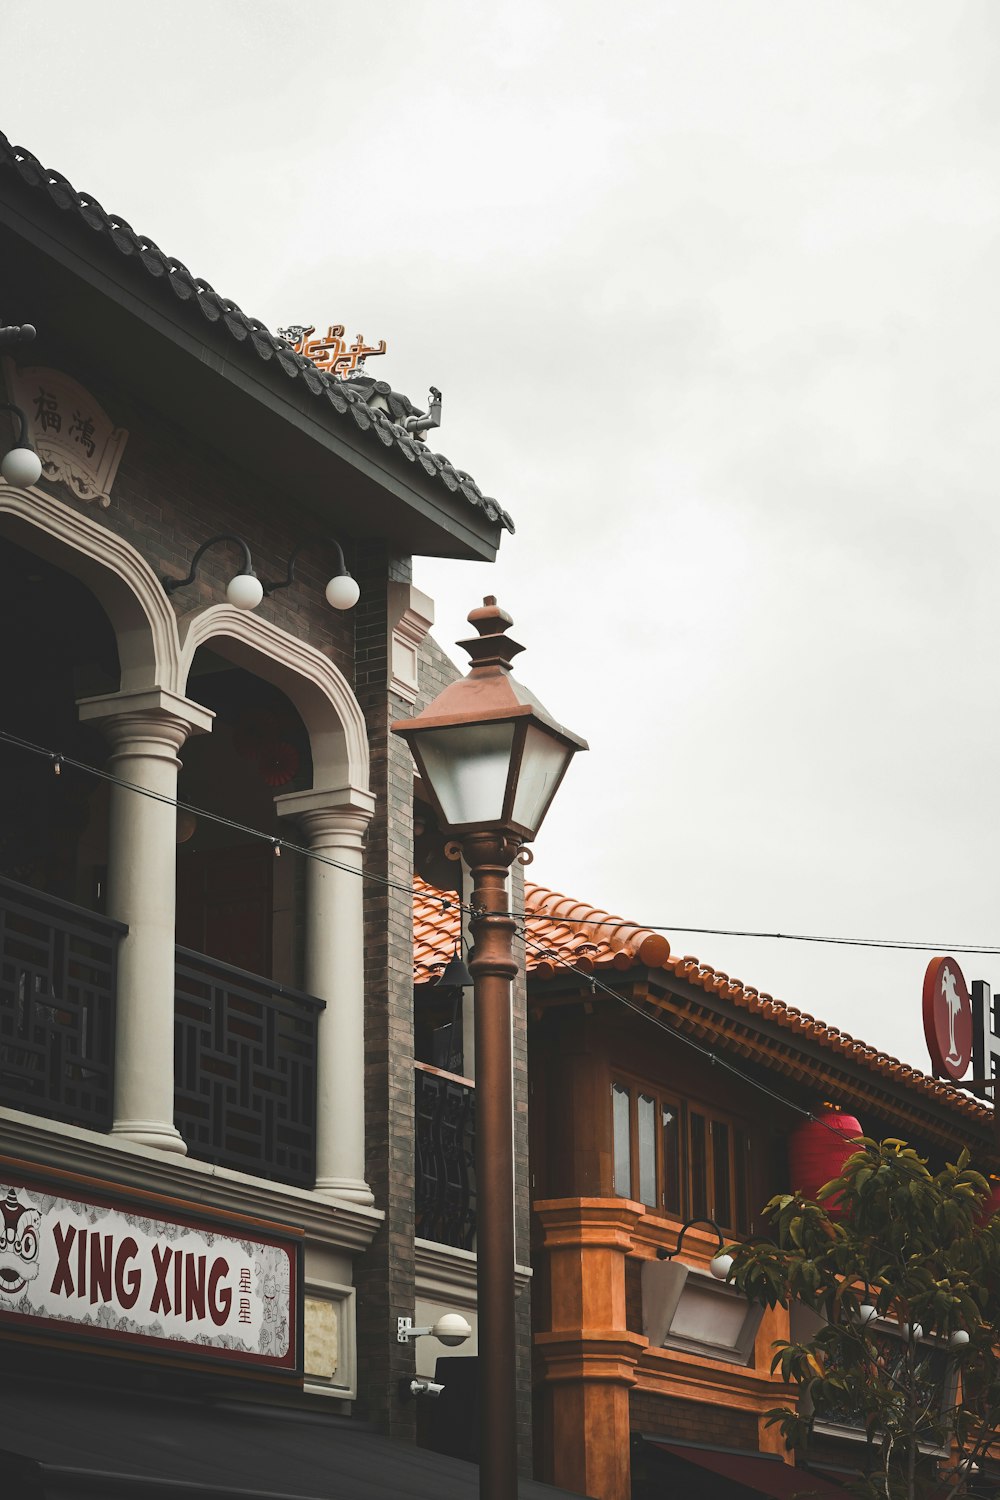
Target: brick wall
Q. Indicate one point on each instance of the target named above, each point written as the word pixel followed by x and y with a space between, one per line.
pixel 170 495
pixel 173 492
pixel 385 1274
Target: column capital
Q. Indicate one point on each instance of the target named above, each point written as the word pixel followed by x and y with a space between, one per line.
pixel 332 816
pixel 589 1223
pixel 161 720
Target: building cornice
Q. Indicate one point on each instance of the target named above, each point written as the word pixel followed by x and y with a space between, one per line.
pixel 324 1221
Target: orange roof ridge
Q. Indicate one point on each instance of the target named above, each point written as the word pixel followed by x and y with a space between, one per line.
pixel 566 934
pixel 615 933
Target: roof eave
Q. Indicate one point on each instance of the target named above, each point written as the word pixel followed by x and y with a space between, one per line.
pixel 201 377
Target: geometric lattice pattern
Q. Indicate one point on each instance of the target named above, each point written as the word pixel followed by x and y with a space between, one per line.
pixel 245 1070
pixel 57 1007
pixel 445 1160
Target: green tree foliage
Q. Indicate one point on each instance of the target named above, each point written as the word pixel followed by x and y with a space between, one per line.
pixel 904 1276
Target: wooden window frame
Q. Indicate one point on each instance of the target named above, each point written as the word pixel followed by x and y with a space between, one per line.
pixel 736 1215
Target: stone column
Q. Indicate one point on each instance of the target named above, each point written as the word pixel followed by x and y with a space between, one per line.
pixel 145 729
pixel 334 824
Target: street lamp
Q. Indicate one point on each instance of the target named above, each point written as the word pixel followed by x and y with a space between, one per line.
pixel 492 759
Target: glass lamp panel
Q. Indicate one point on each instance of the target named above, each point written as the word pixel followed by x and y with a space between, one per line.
pixel 542 763
pixel 467 766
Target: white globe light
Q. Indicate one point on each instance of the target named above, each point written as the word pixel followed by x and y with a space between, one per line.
pixel 866 1313
pixel 958 1338
pixel 911 1330
pixel 721 1266
pixel 245 591
pixel 451 1329
pixel 21 466
pixel 342 592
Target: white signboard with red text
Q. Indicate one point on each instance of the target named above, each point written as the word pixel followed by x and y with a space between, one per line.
pixel 147 1272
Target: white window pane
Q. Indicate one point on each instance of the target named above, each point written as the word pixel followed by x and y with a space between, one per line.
pixel 622 1140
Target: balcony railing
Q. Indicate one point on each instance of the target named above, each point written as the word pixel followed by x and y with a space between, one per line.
pixel 245 1061
pixel 445 1107
pixel 57 1007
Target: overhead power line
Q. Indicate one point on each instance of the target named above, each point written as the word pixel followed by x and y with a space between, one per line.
pixel 58 760
pixel 280 845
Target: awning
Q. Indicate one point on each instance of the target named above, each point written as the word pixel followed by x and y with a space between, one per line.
pixel 60 1441
pixel 755 1473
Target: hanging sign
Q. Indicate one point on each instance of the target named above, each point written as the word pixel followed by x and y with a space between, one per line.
pixel 76 440
pixel 135 1270
pixel 948 1020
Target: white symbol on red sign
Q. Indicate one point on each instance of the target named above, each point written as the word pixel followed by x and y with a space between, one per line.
pixel 947 1018
pixel 953 1000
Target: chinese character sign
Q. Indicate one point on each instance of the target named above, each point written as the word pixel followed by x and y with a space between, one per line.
pixel 126 1274
pixel 77 442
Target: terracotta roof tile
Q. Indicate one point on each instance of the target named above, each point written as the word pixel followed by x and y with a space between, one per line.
pixel 343 396
pixel 563 932
pixel 436 927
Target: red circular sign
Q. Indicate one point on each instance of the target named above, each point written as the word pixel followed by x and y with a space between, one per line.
pixel 947 1018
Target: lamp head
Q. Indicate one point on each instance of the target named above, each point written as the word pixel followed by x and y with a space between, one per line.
pixel 21 466
pixel 343 591
pixel 490 755
pixel 452 1329
pixel 245 591
pixel 455 974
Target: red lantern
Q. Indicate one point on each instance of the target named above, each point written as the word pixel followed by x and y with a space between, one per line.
pixel 991 1203
pixel 817 1150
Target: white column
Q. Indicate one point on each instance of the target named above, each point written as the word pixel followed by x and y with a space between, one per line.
pixel 146 730
pixel 334 824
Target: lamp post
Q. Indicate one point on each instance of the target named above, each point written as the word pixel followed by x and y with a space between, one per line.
pixel 492 759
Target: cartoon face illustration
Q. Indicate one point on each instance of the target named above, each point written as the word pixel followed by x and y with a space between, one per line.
pixel 270 1291
pixel 19 1229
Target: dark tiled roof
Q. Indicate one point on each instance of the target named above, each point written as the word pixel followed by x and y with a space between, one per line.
pixel 352 398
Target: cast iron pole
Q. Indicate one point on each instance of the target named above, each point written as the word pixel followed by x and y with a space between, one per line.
pixel 492 966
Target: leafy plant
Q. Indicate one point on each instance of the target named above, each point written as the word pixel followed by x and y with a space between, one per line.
pixel 903 1276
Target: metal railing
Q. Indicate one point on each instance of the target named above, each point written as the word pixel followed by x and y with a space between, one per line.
pixel 57 1007
pixel 245 1070
pixel 445 1117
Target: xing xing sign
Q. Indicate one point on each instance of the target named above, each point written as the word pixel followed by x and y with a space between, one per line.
pixel 136 1273
pixel 960 1027
pixel 331 353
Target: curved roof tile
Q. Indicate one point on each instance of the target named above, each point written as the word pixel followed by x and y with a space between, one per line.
pixel 564 932
pixel 353 395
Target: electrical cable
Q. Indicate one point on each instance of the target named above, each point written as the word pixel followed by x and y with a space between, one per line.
pixel 786 937
pixel 58 760
pixel 676 1034
pixel 278 844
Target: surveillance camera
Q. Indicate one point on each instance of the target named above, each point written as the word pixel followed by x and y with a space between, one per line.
pixel 452 1329
pixel 422 1387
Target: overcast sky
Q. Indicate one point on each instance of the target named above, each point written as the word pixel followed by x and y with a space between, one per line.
pixel 711 290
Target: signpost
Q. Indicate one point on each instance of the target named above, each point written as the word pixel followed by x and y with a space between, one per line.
pixel 960 1027
pixel 85 1263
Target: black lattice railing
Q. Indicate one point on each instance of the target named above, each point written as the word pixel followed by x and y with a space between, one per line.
pixel 245 1061
pixel 57 1007
pixel 446 1151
